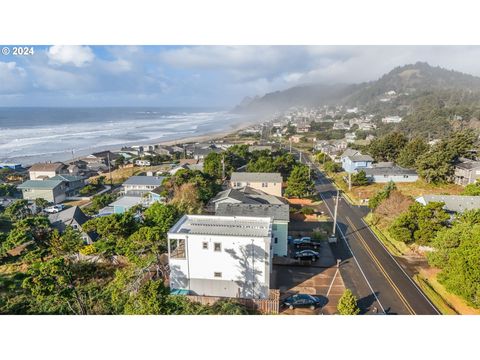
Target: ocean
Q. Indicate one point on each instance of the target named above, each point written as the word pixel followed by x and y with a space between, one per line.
pixel 29 135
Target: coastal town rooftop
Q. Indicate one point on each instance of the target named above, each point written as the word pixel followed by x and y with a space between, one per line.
pixel 256 177
pixel 244 226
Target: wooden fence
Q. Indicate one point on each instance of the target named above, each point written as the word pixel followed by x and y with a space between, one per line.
pixel 263 306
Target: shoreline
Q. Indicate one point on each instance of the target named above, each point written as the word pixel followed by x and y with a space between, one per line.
pixel 66 156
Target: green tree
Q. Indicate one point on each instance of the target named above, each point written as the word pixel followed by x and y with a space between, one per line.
pixel 67 243
pixel 472 189
pixel 299 183
pixel 408 156
pixel 212 165
pixel 41 204
pixel 262 164
pixel 332 167
pixel 360 178
pixel 347 305
pixel 383 194
pixel 228 307
pixel 18 210
pixel 420 223
pixel 162 216
pixel 52 282
pixel 387 147
pixel 457 254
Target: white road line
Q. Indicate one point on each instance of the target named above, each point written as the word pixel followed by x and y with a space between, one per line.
pixel 396 262
pixel 353 255
pixel 331 284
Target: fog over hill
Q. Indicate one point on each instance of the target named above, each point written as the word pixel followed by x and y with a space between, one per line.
pixel 408 81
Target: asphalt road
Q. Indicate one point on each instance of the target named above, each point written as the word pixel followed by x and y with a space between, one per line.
pixel 367 268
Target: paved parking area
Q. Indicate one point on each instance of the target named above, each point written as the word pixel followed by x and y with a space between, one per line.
pixel 326 283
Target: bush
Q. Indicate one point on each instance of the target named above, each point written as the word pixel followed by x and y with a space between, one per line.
pixel 347 305
pixel 307 210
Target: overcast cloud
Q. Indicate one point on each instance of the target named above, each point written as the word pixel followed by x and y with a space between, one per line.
pixel 219 76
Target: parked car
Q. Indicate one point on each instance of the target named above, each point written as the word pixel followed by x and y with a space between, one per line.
pixel 306 255
pixel 306 243
pixel 54 209
pixel 302 301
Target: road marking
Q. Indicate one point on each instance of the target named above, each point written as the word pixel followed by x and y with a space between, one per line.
pixel 396 262
pixel 359 236
pixel 354 257
pixel 333 280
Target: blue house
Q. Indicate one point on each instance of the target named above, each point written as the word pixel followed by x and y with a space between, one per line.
pixel 12 166
pixel 353 161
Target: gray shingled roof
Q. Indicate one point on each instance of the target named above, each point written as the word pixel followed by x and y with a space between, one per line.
pixel 361 158
pixel 256 177
pixel 453 203
pixel 392 170
pixel 277 212
pixel 232 194
pixel 468 164
pixel 67 215
pixel 144 180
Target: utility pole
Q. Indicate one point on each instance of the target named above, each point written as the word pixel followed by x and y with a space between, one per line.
pixel 335 213
pixel 109 169
pixel 290 145
pixel 223 167
pixel 349 181
pixel 300 157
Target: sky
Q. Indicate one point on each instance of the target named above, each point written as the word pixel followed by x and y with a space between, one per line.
pixel 210 76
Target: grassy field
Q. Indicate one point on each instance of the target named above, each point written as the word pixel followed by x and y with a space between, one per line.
pixel 415 189
pixel 120 175
pixel 437 292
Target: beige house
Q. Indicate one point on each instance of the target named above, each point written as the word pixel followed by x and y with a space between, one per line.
pixel 41 171
pixel 270 183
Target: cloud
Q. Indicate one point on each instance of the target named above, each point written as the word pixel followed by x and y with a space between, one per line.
pixel 13 78
pixel 70 54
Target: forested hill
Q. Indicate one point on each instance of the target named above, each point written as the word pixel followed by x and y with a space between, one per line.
pixel 398 89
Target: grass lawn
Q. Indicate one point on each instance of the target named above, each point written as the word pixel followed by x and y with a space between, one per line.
pixel 445 299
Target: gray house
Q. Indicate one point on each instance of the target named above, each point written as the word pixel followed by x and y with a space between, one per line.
pixel 467 171
pixel 73 183
pixel 75 218
pixel 385 174
pixel 280 213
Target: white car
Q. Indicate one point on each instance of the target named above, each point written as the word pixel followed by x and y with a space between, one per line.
pixel 54 209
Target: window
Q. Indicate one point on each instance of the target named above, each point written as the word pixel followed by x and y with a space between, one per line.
pixel 205 245
pixel 217 247
pixel 276 240
pixel 217 274
pixel 274 227
pixel 177 249
pixel 264 184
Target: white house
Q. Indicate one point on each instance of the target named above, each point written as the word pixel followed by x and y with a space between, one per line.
pixel 140 185
pixel 391 119
pixel 42 171
pixel 385 174
pixel 221 255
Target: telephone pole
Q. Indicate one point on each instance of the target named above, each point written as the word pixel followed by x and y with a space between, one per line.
pixel 335 213
pixel 349 181
pixel 223 167
pixel 290 145
pixel 109 168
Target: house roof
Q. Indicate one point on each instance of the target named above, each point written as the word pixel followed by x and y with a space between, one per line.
pixel 40 184
pixel 350 152
pixel 67 178
pixel 360 158
pixel 241 226
pixel 467 164
pixel 453 203
pixel 233 194
pixel 127 201
pixel 144 180
pixel 277 212
pixel 256 177
pixel 66 216
pixel 47 166
pixel 389 170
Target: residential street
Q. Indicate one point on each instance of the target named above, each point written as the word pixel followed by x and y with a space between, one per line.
pixel 367 268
